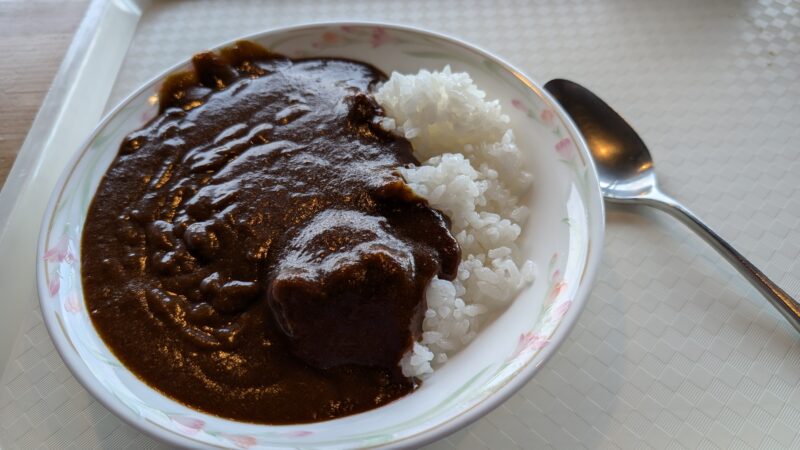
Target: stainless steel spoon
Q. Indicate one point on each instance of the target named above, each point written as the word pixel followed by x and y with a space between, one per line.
pixel 626 173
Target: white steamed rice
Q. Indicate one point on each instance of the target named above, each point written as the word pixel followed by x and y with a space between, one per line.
pixel 471 171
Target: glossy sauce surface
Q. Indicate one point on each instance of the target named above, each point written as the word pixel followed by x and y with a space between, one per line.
pixel 252 253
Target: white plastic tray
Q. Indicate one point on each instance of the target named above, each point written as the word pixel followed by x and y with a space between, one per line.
pixel 674 349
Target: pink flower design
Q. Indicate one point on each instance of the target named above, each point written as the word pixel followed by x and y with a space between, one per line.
pixel 71 303
pixel 379 37
pixel 529 341
pixel 548 117
pixel 516 103
pixel 348 28
pixel 564 148
pixel 188 425
pixel 241 441
pixel 61 251
pixel 556 276
pixel 561 310
pixel 556 290
pixel 298 433
pixel 55 284
pixel 329 37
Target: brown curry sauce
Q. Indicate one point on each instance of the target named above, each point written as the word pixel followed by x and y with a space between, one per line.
pixel 253 253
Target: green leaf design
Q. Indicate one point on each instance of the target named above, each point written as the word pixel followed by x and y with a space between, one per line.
pixel 97 354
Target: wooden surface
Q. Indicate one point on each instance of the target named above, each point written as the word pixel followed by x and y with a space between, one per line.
pixel 34 35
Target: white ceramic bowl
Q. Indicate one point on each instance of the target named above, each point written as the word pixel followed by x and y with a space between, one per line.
pixel 563 236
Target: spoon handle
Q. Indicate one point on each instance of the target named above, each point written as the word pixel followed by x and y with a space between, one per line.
pixel 777 296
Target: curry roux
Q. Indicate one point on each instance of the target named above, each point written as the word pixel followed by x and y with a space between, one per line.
pixel 252 252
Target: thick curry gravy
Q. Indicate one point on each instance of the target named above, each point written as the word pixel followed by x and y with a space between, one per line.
pixel 252 253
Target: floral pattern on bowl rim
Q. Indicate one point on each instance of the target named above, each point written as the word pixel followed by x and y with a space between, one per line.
pixel 569 222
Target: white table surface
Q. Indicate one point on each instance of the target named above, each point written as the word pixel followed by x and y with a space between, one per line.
pixel 674 349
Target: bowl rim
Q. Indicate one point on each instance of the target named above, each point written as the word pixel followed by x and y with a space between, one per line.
pixel 452 424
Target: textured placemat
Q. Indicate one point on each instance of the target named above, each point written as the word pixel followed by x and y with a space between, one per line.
pixel 673 350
